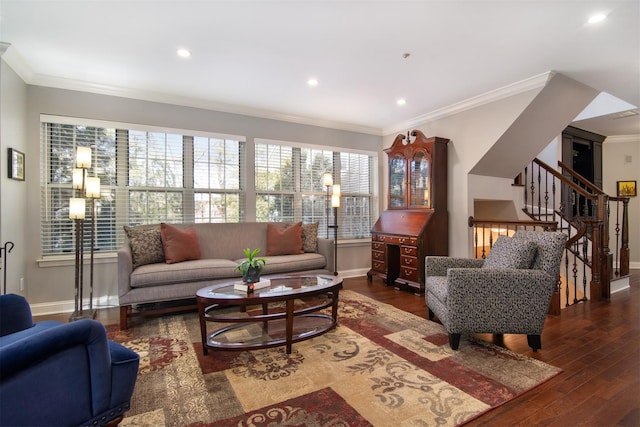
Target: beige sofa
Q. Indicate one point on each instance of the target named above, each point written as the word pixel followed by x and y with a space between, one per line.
pixel 221 249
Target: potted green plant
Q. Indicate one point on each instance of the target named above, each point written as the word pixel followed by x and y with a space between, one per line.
pixel 252 266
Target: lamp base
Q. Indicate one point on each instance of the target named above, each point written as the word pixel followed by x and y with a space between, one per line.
pixel 82 314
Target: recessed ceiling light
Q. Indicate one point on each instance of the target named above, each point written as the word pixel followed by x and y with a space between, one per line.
pixel 599 17
pixel 183 53
pixel 312 82
pixel 401 101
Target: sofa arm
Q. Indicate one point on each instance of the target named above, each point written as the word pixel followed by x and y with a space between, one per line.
pixel 438 265
pixel 326 248
pixel 125 268
pixel 494 298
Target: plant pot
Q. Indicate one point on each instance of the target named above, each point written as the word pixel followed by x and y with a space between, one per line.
pixel 252 275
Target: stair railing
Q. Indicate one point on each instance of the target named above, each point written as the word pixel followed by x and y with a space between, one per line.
pixel 583 211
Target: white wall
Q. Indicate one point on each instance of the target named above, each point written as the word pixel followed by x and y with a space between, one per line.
pixel 472 133
pixel 13 194
pixel 621 162
pixel 51 283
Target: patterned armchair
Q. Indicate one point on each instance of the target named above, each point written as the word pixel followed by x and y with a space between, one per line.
pixel 62 374
pixel 508 292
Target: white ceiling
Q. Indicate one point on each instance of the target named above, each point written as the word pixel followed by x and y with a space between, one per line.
pixel 255 57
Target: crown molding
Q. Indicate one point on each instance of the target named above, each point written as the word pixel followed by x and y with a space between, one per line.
pixel 532 83
pixel 24 71
pixel 3 47
pixel 110 90
pixel 622 138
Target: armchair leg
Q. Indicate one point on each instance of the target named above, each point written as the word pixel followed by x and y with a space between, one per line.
pixel 431 314
pixel 534 342
pixel 454 341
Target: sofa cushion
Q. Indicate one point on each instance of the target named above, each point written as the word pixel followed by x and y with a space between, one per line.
pixel 508 252
pixel 179 245
pixel 283 239
pixel 292 263
pixel 146 244
pixel 550 245
pixel 187 271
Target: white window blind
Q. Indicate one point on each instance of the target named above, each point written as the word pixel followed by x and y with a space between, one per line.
pixel 146 176
pixel 289 187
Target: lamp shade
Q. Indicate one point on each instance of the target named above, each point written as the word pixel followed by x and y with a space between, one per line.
pixel 327 179
pixel 83 157
pixel 335 200
pixel 76 208
pixel 78 175
pixel 336 190
pixel 93 187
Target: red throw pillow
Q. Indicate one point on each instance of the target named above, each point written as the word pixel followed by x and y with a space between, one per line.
pixel 179 245
pixel 283 239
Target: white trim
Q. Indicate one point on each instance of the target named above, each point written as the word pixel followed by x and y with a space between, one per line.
pixel 23 70
pixel 67 260
pixel 82 121
pixel 57 307
pixel 622 138
pixel 532 83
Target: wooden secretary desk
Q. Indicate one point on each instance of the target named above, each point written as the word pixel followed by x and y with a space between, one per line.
pixel 416 222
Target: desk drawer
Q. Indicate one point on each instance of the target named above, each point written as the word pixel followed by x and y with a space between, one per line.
pixel 409 251
pixel 377 246
pixel 377 256
pixel 409 273
pixel 407 261
pixel 378 266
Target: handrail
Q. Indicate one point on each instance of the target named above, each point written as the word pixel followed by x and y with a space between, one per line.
pixel 547 225
pixel 564 179
pixel 582 179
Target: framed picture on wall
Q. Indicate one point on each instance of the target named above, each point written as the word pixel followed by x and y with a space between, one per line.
pixel 16 164
pixel 626 189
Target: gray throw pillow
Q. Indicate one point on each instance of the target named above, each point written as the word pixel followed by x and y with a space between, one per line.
pixel 310 237
pixel 146 244
pixel 507 252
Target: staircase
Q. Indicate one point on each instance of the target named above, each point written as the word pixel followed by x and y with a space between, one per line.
pixel 596 259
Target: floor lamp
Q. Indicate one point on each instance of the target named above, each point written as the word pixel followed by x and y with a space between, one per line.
pixel 335 204
pixel 77 212
pixel 92 192
pixel 327 182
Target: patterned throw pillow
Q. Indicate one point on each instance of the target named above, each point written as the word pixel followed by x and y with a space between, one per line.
pixel 507 252
pixel 310 237
pixel 146 244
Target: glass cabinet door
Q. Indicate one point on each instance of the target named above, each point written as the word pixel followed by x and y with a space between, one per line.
pixel 419 181
pixel 397 174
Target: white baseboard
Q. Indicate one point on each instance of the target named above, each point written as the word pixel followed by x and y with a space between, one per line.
pixel 57 307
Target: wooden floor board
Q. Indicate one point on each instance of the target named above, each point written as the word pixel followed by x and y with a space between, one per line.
pixel 596 344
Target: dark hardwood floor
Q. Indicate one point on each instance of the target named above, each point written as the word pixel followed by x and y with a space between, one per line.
pixel 597 344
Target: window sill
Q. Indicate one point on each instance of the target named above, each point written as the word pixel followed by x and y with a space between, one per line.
pixel 68 260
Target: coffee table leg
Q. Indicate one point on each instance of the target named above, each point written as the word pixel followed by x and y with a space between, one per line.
pixel 334 308
pixel 203 327
pixel 289 336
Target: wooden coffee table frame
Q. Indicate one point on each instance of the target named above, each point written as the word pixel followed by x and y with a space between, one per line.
pixel 210 302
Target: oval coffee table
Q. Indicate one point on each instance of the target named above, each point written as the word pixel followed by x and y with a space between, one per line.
pixel 285 312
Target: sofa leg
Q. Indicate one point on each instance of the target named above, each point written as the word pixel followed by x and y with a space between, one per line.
pixel 431 314
pixel 125 310
pixel 534 342
pixel 454 341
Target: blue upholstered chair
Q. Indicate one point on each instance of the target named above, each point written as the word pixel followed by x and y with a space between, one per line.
pixel 60 374
pixel 507 293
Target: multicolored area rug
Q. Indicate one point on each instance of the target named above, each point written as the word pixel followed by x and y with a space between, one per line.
pixel 381 366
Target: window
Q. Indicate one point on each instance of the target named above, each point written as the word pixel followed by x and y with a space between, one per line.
pixel 146 176
pixel 149 175
pixel 288 182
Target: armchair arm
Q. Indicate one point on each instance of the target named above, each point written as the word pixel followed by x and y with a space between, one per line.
pixel 438 265
pixel 15 314
pixel 496 300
